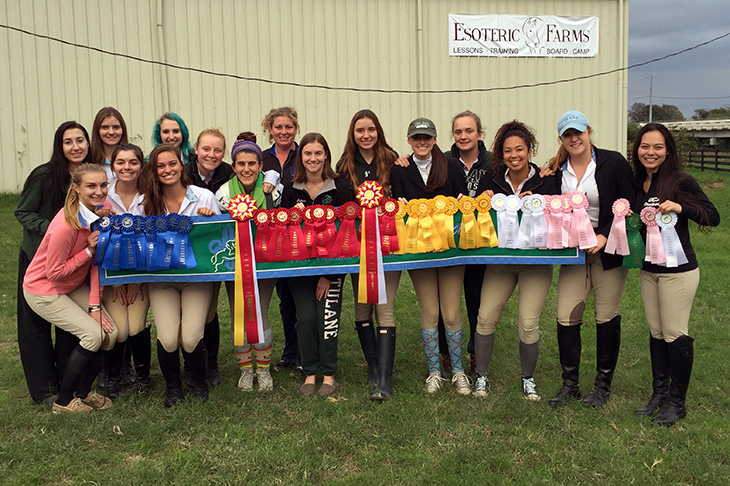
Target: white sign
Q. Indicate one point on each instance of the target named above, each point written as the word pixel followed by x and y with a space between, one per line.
pixel 522 36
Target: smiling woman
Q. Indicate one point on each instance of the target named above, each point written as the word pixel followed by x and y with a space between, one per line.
pixel 108 131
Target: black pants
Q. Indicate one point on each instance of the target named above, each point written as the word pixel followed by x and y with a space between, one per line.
pixel 43 366
pixel 288 312
pixel 473 279
pixel 318 323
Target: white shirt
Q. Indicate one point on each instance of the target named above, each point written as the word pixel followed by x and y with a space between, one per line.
pixel 424 167
pixel 196 198
pixel 518 189
pixel 136 208
pixel 587 184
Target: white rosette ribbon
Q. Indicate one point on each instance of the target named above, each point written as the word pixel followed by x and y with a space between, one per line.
pixel 512 229
pixel 673 250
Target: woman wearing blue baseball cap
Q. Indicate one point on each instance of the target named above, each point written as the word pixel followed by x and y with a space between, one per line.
pixel 604 176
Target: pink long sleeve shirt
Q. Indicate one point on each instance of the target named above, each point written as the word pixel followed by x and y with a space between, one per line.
pixel 62 264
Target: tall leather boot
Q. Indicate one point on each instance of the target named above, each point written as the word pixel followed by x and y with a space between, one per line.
pixel 197 361
pixel 127 372
pixel 366 333
pixel 212 339
pixel 386 357
pixel 608 342
pixel 142 352
pixel 681 357
pixel 659 353
pixel 569 347
pixel 170 367
pixel 113 364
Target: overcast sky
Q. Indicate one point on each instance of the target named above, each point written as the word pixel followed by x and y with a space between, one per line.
pixel 661 27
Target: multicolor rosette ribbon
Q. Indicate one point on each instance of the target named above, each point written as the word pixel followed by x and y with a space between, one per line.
pixel 346 243
pixel 470 236
pixel 654 246
pixel 371 283
pixel 388 210
pixel 484 220
pixel 182 251
pixel 557 237
pixel 583 229
pixel 637 250
pixel 248 322
pixel 673 250
pixel 618 240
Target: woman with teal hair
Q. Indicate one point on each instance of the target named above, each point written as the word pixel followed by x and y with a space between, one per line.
pixel 170 128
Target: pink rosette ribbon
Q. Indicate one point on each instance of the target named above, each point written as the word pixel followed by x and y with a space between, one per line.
pixel 582 229
pixel 554 218
pixel 654 245
pixel 618 241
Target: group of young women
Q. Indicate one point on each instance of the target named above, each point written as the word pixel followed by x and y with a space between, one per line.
pixel 111 175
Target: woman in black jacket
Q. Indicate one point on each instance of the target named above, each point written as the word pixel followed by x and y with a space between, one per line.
pixel 513 173
pixel 604 176
pixel 430 173
pixel 669 289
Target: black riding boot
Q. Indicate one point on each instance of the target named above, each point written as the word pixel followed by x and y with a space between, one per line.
pixel 569 348
pixel 142 352
pixel 660 376
pixel 212 340
pixel 127 372
pixel 197 361
pixel 386 357
pixel 608 342
pixel 366 333
pixel 170 367
pixel 113 365
pixel 681 357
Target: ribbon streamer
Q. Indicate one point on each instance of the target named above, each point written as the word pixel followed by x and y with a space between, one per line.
pixel 584 234
pixel 484 219
pixel 371 288
pixel 673 250
pixel 654 246
pixel 637 250
pixel 618 241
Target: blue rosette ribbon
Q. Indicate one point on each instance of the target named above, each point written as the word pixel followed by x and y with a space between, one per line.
pixel 104 226
pixel 161 252
pixel 182 253
pixel 128 250
pixel 113 251
pixel 140 242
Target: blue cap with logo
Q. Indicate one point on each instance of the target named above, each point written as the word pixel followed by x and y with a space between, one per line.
pixel 572 119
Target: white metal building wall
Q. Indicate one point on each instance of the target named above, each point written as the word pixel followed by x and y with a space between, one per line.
pixel 337 43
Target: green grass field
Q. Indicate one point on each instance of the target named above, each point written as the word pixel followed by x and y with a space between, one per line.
pixel 281 438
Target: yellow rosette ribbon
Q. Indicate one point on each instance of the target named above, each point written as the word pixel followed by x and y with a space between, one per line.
pixel 443 222
pixel 484 219
pixel 400 229
pixel 470 233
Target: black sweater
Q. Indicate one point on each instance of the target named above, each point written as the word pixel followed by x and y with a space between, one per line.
pixel 537 185
pixel 334 192
pixel 271 162
pixel 687 185
pixel 221 175
pixel 406 182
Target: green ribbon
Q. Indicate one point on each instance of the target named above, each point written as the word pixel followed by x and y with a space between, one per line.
pixel 636 244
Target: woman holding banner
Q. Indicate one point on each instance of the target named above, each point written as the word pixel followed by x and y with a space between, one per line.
pixel 668 289
pixel 428 174
pixel 368 157
pixel 604 176
pixel 249 179
pixel 318 299
pixel 513 173
pixel 179 308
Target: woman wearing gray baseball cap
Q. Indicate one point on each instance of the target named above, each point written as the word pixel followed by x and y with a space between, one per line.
pixel 604 176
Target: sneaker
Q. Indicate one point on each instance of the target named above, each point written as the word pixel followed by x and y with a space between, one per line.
pixel 462 383
pixel 529 389
pixel 264 378
pixel 433 382
pixel 95 400
pixel 245 382
pixel 481 388
pixel 74 406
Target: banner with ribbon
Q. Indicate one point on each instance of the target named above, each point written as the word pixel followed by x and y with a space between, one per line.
pixel 371 283
pixel 248 321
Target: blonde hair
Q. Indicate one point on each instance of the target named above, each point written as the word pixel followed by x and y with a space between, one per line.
pixel 216 132
pixel 286 111
pixel 71 205
pixel 562 154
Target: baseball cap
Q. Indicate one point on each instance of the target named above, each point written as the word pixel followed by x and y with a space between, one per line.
pixel 421 126
pixel 572 119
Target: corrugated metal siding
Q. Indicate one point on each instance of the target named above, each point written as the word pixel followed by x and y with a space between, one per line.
pixel 357 44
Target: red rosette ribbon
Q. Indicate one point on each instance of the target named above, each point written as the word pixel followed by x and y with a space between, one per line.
pixel 297 240
pixel 347 244
pixel 388 230
pixel 248 322
pixel 331 234
pixel 371 278
pixel 581 228
pixel 654 246
pixel 262 218
pixel 618 241
pixel 320 236
pixel 279 248
pixel 308 229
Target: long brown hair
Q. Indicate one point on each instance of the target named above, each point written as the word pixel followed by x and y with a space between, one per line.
pixel 439 174
pixel 300 173
pixel 71 205
pixel 154 201
pixel 130 147
pixel 97 145
pixel 384 154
